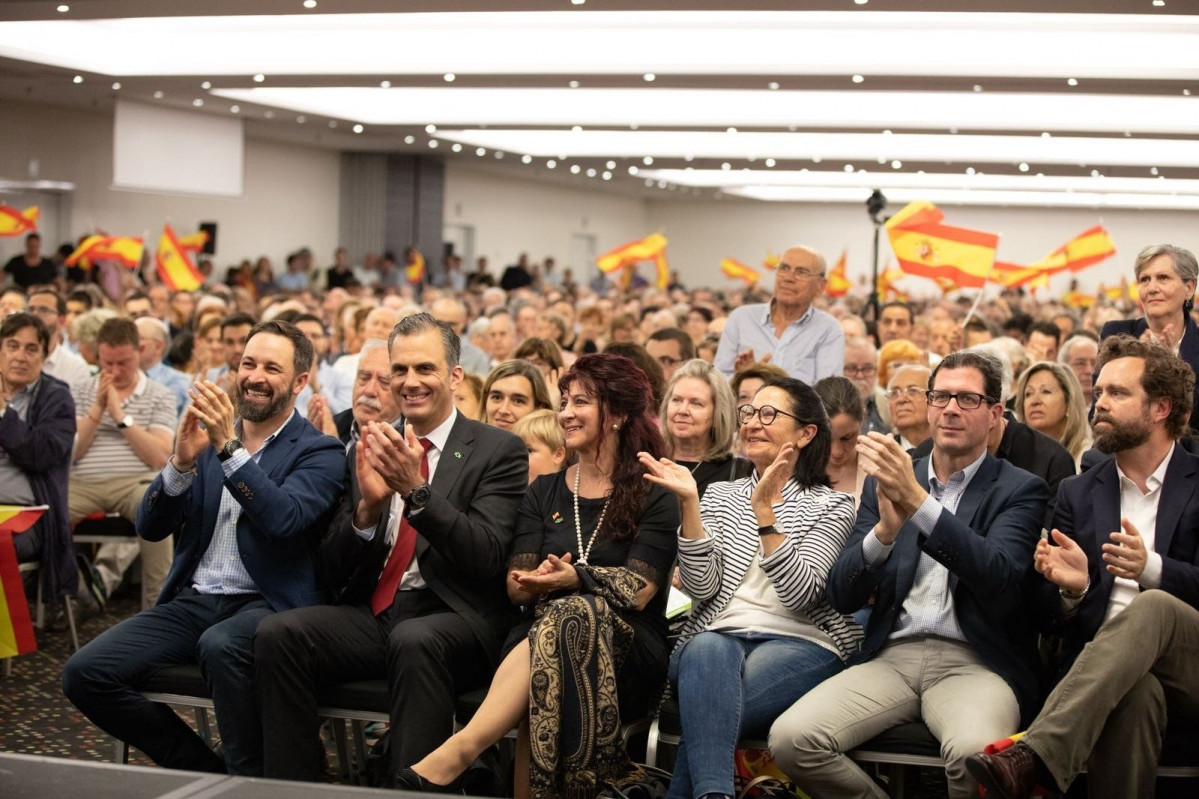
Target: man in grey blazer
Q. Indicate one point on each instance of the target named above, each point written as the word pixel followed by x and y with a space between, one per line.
pixel 416 559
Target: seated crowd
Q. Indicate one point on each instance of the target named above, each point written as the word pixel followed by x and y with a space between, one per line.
pixel 489 484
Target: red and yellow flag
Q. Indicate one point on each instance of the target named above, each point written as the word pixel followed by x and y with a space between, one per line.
pixel 837 283
pixel 927 248
pixel 16 628
pixel 16 223
pixel 415 271
pixel 173 260
pixel 733 268
pixel 772 260
pixel 627 256
pixel 126 249
pixel 886 284
pixel 1086 249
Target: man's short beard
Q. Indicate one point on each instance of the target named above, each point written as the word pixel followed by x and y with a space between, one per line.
pixel 260 413
pixel 1119 438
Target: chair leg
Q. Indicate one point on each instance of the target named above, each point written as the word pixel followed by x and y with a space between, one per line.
pixel 337 730
pixel 68 604
pixel 7 667
pixel 40 622
pixel 202 727
pixel 121 753
pixel 358 730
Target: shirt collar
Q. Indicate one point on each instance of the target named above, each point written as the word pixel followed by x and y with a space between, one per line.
pixel 441 434
pixel 142 380
pixel 806 314
pixel 967 474
pixel 26 394
pixel 237 428
pixel 1155 480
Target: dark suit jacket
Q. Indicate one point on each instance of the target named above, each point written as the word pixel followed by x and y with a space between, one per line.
pixel 344 422
pixel 463 535
pixel 1088 510
pixel 1188 348
pixel 286 501
pixel 987 547
pixel 40 447
pixel 1030 450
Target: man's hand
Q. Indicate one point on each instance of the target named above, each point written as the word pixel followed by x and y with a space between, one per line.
pixel 1126 556
pixel 100 403
pixel 215 410
pixel 747 358
pixel 190 440
pixel 886 461
pixel 373 488
pixel 320 415
pixel 1064 565
pixel 397 460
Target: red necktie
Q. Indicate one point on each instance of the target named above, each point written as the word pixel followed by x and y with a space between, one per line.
pixel 401 553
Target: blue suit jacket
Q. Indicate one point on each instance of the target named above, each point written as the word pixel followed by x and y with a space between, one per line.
pixel 987 547
pixel 1088 510
pixel 1188 348
pixel 286 501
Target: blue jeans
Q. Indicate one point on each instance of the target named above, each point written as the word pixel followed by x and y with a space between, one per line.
pixel 217 632
pixel 730 686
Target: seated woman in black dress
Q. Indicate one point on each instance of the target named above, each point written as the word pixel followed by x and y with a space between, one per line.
pixel 593 547
pixel 699 425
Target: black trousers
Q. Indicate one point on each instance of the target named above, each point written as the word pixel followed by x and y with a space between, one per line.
pixel 427 652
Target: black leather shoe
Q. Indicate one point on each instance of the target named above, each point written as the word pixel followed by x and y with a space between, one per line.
pixel 1010 774
pixel 407 779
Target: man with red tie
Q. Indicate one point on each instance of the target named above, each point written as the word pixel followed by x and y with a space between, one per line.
pixel 416 558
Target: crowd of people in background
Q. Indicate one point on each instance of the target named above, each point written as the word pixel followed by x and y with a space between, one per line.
pixel 340 473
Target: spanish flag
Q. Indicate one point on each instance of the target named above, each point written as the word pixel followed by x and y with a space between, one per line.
pixel 927 248
pixel 15 223
pixel 627 256
pixel 838 284
pixel 126 249
pixel 886 284
pixel 1086 249
pixel 16 628
pixel 772 259
pixel 173 260
pixel 415 271
pixel 733 268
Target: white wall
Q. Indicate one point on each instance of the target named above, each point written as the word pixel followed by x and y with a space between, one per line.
pixel 290 196
pixel 701 233
pixel 514 216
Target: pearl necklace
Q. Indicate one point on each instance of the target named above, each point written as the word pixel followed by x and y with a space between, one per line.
pixel 583 553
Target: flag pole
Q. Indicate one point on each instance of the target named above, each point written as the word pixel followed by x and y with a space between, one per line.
pixel 979 298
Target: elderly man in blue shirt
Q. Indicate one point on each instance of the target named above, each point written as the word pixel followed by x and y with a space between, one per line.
pixel 787 331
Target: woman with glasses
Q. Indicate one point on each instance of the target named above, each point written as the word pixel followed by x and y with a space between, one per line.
pixel 699 422
pixel 909 409
pixel 755 555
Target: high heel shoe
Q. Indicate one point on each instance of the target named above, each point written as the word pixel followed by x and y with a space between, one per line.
pixel 407 779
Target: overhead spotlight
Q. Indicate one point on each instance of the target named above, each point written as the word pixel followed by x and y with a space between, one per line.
pixel 430 129
pixel 433 144
pixel 1152 170
pixel 410 139
pixel 550 164
pixel 770 162
pixel 649 182
pixel 575 169
pixel 816 159
pixel 969 170
pixel 259 78
pixel 116 87
pixel 449 77
pixel 526 159
pixel 235 109
pixel 649 77
pixel 1045 135
pixel 1071 81
pixel 574 84
pixel 648 161
pixel 77 79
pixel 730 130
pixel 1023 167
pixel 577 2
pixel 688 158
pixel 1186 92
pixel 726 166
pixel 1156 3
pixel 206 85
pixel 499 155
pixel 591 173
pixel 384 84
pixel 358 128
pixel 269 114
pixel 847 168
pixel 158 95
pixel 773 85
pixel 63 9
pixel 198 103
pixel 333 124
pixel 481 151
pixel 576 128
pixel 860 2
pixel 881 159
pixel 456 147
pixel 897 164
pixel 858 79
pixel 610 165
pixel 633 170
pixel 301 119
pixel 977 88
pixel 309 3
pixel 606 176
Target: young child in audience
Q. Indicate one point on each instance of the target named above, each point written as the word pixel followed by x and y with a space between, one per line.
pixel 542 434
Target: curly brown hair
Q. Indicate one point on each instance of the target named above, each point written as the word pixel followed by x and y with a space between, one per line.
pixel 1166 376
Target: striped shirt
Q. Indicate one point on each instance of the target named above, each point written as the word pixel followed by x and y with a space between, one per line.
pixel 815 522
pixel 152 406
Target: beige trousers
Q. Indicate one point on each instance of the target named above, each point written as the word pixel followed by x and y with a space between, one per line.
pixel 943 683
pixel 122 494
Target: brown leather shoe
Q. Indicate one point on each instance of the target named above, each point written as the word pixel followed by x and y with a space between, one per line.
pixel 1011 774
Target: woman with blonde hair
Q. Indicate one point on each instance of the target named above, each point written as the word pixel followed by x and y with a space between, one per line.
pixel 898 353
pixel 1049 399
pixel 699 424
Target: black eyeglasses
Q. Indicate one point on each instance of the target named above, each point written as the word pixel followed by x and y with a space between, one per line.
pixel 767 414
pixel 967 400
pixel 860 369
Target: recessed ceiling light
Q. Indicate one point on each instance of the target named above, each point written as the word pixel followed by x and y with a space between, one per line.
pixel 433 143
pixel 332 123
pixel 63 9
pixel 1153 170
pixel 882 159
pixel 1071 81
pixel 1046 134
pixel 550 164
pixel 848 168
pixel 78 79
pixel 1157 3
pixel 410 139
pixel 969 170
pixel 1023 167
pixel 770 162
pixel 158 95
pixel 499 155
pixel 633 170
pixel 384 84
pixel 977 88
pixel 481 151
pixel 730 130
pixel 577 2
pixel 576 128
pixel 896 164
pixel 860 2
pixel 726 166
pixel 456 147
pixel 358 128
pixel 1186 92
pixel 575 169
pixel 858 79
pixel 198 103
pixel 449 77
pixel 526 159
pixel 610 165
pixel 648 161
pixel 606 176
pixel 574 84
pixel 591 173
pixel 206 85
pixel 649 77
pixel 259 78
pixel 430 128
pixel 116 87
pixel 309 3
pixel 773 85
pixel 300 120
pixel 235 109
pixel 269 114
pixel 649 182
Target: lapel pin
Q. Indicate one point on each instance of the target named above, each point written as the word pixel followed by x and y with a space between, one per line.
pixel 457 454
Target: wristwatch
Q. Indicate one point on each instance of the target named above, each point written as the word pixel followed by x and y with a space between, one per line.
pixel 418 498
pixel 769 529
pixel 127 421
pixel 227 451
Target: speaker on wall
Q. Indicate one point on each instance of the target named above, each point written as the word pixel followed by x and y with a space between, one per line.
pixel 210 245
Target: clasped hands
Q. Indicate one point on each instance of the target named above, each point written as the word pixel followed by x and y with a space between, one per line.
pixel 211 407
pixel 1065 565
pixel 108 400
pixel 899 493
pixel 387 462
pixel 553 575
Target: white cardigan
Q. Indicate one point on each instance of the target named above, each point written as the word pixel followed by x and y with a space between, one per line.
pixel 815 522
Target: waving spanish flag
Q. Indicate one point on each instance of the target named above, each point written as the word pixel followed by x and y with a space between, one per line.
pixel 126 249
pixel 415 271
pixel 886 284
pixel 927 248
pixel 733 268
pixel 14 222
pixel 771 261
pixel 838 284
pixel 173 260
pixel 627 256
pixel 16 628
pixel 1086 249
